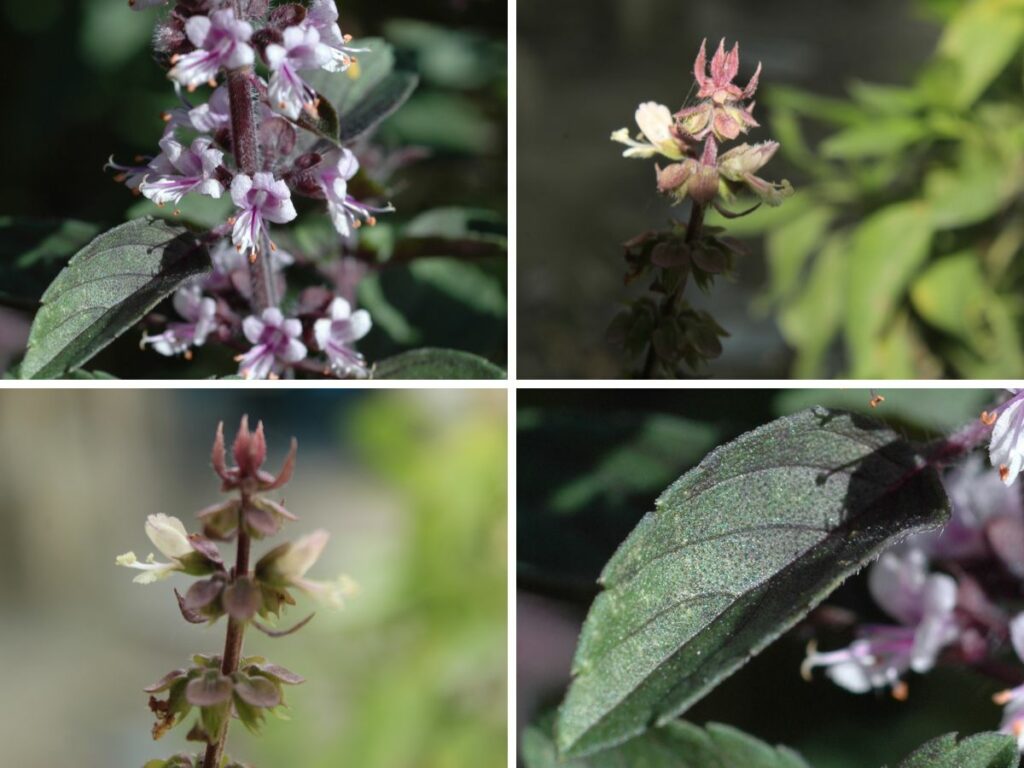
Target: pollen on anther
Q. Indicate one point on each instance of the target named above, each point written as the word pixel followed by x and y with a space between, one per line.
pixel 988 419
pixel 901 691
pixel 188 355
pixel 1004 472
pixel 165 116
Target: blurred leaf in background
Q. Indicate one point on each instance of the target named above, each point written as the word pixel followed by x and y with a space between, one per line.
pixel 902 260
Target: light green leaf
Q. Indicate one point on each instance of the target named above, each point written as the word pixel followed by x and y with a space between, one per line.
pixel 886 251
pixel 437 364
pixel 817 495
pixel 886 99
pixel 981 41
pixel 881 136
pixel 985 750
pixel 811 320
pixel 951 295
pixel 676 745
pixel 789 245
pixel 978 188
pixel 107 287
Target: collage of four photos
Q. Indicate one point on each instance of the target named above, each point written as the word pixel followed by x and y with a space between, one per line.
pixel 443 383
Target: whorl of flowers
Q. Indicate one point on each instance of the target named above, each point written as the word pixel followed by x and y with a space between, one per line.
pixel 221 687
pixel 692 138
pixel 254 139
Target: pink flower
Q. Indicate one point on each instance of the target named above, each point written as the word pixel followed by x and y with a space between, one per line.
pixel 275 341
pixel 200 315
pixel 721 112
pixel 214 114
pixel 336 334
pixel 300 49
pixel 221 40
pixel 178 171
pixel 1006 449
pixel 1013 699
pixel 260 198
pixel 697 179
pixel 740 164
pixel 322 15
pixel 334 173
pixel 724 68
pixel 924 605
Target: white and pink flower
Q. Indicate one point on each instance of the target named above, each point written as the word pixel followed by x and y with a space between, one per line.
pixel 337 333
pixel 276 344
pixel 221 41
pixel 260 198
pixel 179 170
pixel 300 49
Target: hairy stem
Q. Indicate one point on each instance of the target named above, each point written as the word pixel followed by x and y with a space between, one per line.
pixel 246 150
pixel 232 641
pixel 670 304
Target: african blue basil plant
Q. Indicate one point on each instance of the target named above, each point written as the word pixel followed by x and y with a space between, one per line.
pixel 220 687
pixel 951 593
pixel 255 138
pixel 670 332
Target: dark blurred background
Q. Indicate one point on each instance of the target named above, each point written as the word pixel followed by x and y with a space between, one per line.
pixel 590 464
pixel 412 488
pixel 582 71
pixel 82 86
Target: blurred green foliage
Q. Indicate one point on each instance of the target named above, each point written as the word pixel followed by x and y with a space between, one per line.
pixel 898 257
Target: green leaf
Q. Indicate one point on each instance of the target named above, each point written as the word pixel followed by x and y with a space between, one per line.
pixel 79 375
pixel 813 497
pixel 379 104
pixel 106 289
pixel 886 99
pixel 202 211
pixel 811 320
pixel 985 750
pixel 445 121
pixel 975 190
pixel 952 295
pixel 881 136
pixel 789 245
pixel 981 41
pixel 676 745
pixel 346 89
pixel 886 250
pixel 33 251
pixel 464 282
pixel 437 364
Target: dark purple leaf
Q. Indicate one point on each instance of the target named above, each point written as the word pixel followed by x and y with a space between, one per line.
pixel 209 690
pixel 242 599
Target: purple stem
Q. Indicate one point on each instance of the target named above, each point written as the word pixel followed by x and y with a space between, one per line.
pixel 246 149
pixel 233 639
